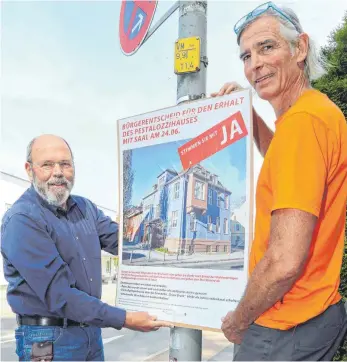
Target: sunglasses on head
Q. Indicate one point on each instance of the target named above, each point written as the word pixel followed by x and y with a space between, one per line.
pixel 261 9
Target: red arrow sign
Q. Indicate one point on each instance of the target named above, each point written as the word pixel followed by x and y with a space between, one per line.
pixel 213 140
pixel 134 22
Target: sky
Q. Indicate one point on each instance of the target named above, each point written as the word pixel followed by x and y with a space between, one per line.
pixel 63 73
pixel 149 162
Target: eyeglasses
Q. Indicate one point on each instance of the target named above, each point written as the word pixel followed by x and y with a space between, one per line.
pixel 48 166
pixel 261 9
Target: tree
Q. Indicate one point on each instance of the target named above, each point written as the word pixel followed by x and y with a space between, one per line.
pixel 128 179
pixel 334 85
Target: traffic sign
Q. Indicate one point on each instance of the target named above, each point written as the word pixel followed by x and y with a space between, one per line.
pixel 135 19
pixel 187 55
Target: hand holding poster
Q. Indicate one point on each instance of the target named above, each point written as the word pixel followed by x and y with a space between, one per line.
pixel 186 210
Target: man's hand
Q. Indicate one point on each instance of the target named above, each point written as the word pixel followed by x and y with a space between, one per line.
pixel 143 322
pixel 227 88
pixel 231 330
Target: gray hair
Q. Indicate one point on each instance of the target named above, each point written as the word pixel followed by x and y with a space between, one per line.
pixel 315 67
pixel 30 150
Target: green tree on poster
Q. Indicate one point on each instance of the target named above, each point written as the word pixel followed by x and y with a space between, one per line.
pixel 334 85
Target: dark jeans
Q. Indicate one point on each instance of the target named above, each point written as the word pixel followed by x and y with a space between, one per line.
pixel 315 340
pixel 69 344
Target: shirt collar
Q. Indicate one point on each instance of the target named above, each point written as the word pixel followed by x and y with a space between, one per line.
pixel 57 210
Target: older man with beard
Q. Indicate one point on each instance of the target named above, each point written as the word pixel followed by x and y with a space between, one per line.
pixel 51 244
pixel 291 308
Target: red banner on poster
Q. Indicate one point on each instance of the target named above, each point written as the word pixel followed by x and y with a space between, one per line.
pixel 213 140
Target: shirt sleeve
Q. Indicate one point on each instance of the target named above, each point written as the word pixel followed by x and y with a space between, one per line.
pixel 299 163
pixel 29 248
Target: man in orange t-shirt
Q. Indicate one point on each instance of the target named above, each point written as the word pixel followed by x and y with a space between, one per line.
pixel 291 308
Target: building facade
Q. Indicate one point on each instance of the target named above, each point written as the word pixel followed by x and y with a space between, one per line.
pixel 237 233
pixel 186 213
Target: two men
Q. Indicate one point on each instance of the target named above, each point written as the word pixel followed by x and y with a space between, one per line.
pixel 291 308
pixel 51 244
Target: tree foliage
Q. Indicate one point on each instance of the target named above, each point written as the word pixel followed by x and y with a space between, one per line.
pixel 128 179
pixel 334 85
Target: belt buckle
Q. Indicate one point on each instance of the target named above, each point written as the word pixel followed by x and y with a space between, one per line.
pixel 83 325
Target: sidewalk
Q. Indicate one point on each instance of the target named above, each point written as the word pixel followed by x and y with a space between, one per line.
pixel 215 347
pixel 157 258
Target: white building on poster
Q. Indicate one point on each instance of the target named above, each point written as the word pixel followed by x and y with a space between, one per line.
pixel 12 187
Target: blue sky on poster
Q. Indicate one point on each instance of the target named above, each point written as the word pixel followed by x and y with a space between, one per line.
pixel 229 164
pixel 63 72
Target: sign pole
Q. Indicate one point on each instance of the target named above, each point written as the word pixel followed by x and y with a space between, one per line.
pixel 193 23
pixel 186 343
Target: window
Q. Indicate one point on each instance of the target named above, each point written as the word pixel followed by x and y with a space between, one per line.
pixel 176 190
pixel 174 217
pixel 217 248
pixel 157 211
pixel 225 226
pixel 210 197
pixel 192 222
pixel 162 179
pixel 217 224
pixel 199 190
pixel 209 223
pixel 225 248
pixel 227 202
pixel 208 248
pixel 108 266
pixel 237 227
pixel 220 200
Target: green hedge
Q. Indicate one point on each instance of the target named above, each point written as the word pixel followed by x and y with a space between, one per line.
pixel 334 85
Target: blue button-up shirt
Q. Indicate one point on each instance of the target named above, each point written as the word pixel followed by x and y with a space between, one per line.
pixel 52 259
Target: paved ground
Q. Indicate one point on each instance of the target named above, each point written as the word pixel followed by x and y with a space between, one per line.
pixel 121 345
pixel 215 261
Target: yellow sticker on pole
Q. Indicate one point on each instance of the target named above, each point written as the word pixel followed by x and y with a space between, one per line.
pixel 187 55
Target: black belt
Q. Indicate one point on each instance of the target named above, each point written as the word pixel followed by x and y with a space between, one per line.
pixel 47 321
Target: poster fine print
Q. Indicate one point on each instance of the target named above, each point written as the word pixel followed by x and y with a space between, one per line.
pixel 186 198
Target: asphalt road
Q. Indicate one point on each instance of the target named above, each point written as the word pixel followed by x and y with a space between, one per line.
pixel 124 345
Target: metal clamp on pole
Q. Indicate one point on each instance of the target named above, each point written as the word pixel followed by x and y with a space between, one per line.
pixel 190 98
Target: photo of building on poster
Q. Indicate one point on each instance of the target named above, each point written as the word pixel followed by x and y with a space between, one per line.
pixel 178 218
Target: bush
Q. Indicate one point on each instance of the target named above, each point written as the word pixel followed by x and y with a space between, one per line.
pixel 334 85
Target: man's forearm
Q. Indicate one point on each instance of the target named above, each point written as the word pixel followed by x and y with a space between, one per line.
pixel 262 133
pixel 265 287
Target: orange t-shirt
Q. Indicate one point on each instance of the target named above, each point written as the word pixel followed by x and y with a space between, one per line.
pixel 305 168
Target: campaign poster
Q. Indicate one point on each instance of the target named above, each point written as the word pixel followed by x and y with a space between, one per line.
pixel 186 210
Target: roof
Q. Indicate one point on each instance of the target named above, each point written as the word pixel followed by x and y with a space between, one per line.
pixel 169 170
pixel 189 170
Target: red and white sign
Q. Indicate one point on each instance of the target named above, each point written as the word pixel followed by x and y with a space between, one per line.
pixel 213 140
pixel 134 22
